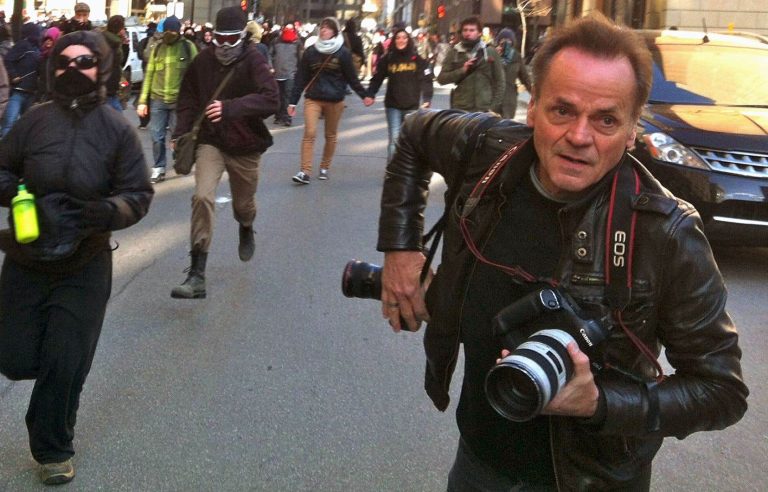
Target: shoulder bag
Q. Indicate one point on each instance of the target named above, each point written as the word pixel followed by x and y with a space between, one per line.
pixel 186 145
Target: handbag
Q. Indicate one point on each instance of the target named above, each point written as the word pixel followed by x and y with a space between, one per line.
pixel 186 144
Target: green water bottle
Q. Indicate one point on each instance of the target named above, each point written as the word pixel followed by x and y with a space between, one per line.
pixel 25 216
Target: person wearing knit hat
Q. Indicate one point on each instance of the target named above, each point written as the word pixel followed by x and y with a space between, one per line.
pixel 285 52
pixel 324 72
pixel 167 63
pixel 80 21
pixel 231 138
pixel 54 291
pixel 514 69
pixel 114 36
pixel 22 63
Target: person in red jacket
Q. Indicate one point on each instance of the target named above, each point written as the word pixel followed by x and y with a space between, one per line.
pixel 232 136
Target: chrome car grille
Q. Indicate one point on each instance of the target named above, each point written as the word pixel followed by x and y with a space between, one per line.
pixel 741 163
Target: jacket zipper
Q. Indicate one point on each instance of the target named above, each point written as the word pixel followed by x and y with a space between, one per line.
pixel 552 453
pixel 464 296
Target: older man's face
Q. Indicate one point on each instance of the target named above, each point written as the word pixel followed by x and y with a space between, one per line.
pixel 582 119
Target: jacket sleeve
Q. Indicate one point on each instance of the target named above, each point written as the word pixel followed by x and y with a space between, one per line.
pixel 189 105
pixel 303 76
pixel 707 391
pixel 262 101
pixel 421 150
pixel 131 190
pixel 499 83
pixel 350 74
pixel 11 159
pixel 146 84
pixel 4 89
pixel 378 77
pixel 451 74
pixel 427 78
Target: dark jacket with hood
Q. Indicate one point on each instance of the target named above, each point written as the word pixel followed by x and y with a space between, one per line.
pixel 80 159
pixel 23 59
pixel 119 55
pixel 677 299
pixel 250 96
pixel 410 78
pixel 331 84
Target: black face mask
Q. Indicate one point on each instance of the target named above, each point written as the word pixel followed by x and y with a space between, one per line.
pixel 73 83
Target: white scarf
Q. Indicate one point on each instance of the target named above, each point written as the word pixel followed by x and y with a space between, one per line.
pixel 329 46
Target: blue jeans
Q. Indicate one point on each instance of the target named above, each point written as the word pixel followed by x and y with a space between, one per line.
pixel 18 103
pixel 286 87
pixel 162 116
pixel 114 101
pixel 395 119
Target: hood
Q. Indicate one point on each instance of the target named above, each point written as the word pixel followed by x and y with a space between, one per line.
pixel 711 126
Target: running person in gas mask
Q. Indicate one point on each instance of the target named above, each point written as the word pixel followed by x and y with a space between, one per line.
pixel 232 136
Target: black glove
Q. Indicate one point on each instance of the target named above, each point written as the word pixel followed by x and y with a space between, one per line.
pixel 95 215
pixel 98 214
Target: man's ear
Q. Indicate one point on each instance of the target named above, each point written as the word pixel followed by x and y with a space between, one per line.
pixel 530 116
pixel 631 137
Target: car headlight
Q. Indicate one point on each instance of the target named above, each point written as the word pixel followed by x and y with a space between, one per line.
pixel 665 148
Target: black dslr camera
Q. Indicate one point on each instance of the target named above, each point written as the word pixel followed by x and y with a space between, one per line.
pixel 363 280
pixel 538 328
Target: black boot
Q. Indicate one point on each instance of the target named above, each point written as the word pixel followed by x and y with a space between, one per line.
pixel 247 244
pixel 194 286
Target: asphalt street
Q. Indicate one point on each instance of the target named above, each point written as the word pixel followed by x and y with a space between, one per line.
pixel 276 382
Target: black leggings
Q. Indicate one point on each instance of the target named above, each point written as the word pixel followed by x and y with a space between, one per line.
pixel 49 328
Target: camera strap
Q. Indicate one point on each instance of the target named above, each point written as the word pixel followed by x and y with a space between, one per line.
pixel 620 236
pixel 619 245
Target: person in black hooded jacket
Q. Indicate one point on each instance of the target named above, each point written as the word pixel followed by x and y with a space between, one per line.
pixel 21 63
pixel 410 79
pixel 84 164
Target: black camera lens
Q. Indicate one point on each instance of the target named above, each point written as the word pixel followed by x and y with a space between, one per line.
pixel 361 280
pixel 524 382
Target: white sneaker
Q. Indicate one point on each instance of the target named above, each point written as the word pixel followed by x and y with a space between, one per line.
pixel 158 175
pixel 323 174
pixel 301 178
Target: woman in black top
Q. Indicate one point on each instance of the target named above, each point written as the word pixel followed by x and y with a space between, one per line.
pixel 84 164
pixel 410 81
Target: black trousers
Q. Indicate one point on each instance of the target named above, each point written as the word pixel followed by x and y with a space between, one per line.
pixel 49 327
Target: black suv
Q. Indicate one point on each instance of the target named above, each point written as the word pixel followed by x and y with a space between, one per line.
pixel 704 131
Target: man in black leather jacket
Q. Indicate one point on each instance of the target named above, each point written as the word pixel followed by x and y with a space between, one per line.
pixel 540 198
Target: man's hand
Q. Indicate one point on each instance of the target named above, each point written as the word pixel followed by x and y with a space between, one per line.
pixel 291 110
pixel 426 104
pixel 579 396
pixel 142 110
pixel 368 101
pixel 213 111
pixel 401 294
pixel 469 65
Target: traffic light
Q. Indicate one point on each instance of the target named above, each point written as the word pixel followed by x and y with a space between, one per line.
pixel 244 5
pixel 441 11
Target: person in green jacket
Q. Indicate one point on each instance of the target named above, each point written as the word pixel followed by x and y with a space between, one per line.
pixel 167 64
pixel 476 69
